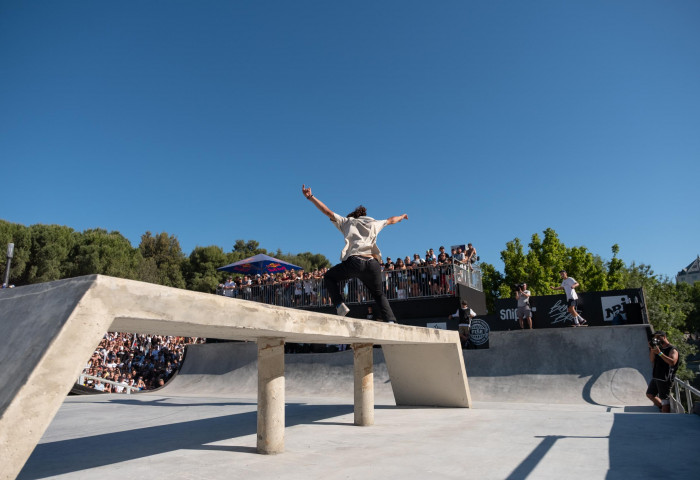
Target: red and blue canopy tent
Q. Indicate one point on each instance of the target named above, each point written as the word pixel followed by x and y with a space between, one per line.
pixel 259 264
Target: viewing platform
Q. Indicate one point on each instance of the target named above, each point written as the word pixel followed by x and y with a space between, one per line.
pixel 421 282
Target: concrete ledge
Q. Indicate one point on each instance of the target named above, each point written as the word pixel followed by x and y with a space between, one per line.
pixel 50 330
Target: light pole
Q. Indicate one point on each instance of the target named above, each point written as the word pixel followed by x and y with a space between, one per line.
pixel 10 251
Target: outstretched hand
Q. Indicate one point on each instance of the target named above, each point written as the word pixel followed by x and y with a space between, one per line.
pixel 396 219
pixel 306 191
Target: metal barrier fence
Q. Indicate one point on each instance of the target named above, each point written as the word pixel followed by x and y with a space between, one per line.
pixel 418 282
pixel 82 377
pixel 677 403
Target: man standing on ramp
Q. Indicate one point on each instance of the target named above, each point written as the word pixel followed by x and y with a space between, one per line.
pixel 360 257
pixel 569 285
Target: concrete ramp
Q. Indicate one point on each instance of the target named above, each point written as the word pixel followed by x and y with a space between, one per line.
pixel 593 365
pixel 50 329
pixel 229 370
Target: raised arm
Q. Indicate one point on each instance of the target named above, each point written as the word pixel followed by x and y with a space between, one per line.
pixel 319 204
pixel 397 219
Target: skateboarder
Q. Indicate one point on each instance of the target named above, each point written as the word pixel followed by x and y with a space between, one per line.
pixel 569 285
pixel 360 257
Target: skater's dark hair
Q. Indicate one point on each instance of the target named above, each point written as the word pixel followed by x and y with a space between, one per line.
pixel 358 212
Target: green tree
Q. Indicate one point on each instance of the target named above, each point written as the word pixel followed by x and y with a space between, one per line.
pixel 540 266
pixel 163 260
pixel 616 277
pixel 538 277
pixel 306 260
pixel 106 253
pixel 515 262
pixel 668 307
pixel 243 249
pixel 49 253
pixel 20 236
pixel 588 270
pixel 201 274
pixel 692 293
pixel 491 281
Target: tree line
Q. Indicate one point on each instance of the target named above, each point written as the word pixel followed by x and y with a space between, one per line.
pixel 44 253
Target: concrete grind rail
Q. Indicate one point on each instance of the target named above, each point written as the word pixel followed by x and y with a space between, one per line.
pixel 50 329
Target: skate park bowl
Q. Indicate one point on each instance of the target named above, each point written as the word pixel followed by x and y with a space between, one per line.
pixel 585 365
pixel 50 330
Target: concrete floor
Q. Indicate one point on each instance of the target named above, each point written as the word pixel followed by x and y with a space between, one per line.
pixel 559 403
pixel 147 436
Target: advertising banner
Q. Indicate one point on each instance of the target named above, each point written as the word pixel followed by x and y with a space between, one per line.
pixel 615 307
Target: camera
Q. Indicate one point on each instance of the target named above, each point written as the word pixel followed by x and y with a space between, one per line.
pixel 655 342
pixel 518 287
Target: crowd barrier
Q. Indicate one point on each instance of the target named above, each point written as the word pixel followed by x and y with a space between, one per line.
pixel 83 377
pixel 418 282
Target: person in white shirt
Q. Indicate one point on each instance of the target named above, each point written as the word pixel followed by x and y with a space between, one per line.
pixel 119 387
pixel 569 285
pixel 229 287
pixel 523 311
pixel 360 257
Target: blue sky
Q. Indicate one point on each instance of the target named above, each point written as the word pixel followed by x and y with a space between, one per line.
pixel 483 121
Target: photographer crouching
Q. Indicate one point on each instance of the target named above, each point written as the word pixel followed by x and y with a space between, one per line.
pixel 664 356
pixel 522 294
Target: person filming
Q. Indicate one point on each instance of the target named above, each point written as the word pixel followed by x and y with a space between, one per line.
pixel 664 357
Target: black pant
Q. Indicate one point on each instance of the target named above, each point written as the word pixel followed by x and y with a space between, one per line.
pixel 369 273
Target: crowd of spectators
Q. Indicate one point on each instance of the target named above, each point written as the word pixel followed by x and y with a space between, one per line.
pixel 296 288
pixel 299 286
pixel 143 362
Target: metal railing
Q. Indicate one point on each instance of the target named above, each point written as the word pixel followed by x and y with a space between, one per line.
pixel 677 404
pixel 82 377
pixel 418 282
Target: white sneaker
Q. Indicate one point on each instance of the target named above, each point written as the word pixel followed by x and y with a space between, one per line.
pixel 342 309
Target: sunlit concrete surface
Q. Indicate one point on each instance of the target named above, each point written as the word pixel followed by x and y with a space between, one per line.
pixel 203 423
pixel 116 437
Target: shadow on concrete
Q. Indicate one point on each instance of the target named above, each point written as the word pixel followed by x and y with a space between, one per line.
pixel 654 446
pixel 527 466
pixel 73 455
pixel 665 436
pixel 158 402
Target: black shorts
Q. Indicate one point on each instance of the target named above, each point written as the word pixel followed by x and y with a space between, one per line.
pixel 572 303
pixel 659 388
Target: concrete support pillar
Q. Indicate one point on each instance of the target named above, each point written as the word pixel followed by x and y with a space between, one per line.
pixel 364 384
pixel 270 395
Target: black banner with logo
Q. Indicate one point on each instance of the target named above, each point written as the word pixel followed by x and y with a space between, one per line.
pixel 613 307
